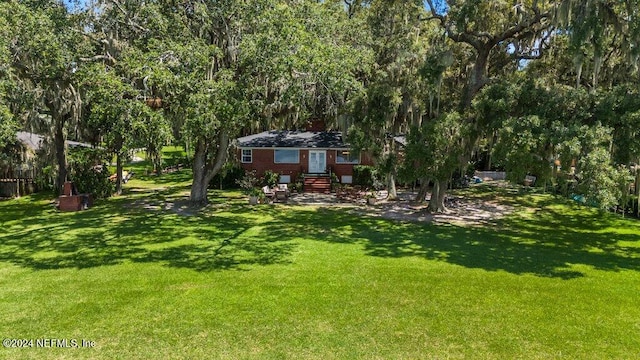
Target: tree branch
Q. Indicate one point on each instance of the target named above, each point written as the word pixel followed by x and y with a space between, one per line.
pixel 434 15
pixel 93 38
pixel 97 58
pixel 466 38
pixel 520 28
pixel 128 16
pixel 528 57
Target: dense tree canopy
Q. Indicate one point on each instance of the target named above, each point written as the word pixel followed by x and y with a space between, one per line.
pixel 540 88
pixel 495 43
pixel 43 48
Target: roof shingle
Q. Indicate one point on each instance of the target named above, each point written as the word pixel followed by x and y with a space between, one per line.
pixel 294 139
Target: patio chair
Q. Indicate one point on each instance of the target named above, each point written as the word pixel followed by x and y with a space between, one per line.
pixel 282 192
pixel 285 188
pixel 268 193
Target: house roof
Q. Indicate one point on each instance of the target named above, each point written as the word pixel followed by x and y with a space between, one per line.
pixel 34 141
pixel 294 139
pixel 401 139
pixel 30 140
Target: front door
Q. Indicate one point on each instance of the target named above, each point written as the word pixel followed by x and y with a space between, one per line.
pixel 317 161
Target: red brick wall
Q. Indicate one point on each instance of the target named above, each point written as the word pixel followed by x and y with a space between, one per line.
pixel 316 125
pixel 345 169
pixel 263 161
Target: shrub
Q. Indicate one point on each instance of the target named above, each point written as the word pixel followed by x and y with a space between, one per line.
pixel 334 178
pixel 45 178
pixel 334 181
pixel 599 180
pixel 89 173
pixel 249 182
pixel 299 184
pixel 228 177
pixel 365 175
pixel 271 178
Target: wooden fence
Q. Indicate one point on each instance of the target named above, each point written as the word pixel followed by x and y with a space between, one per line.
pixel 16 187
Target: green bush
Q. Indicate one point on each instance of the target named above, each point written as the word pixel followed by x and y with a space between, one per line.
pixel 228 177
pixel 365 175
pixel 249 182
pixel 89 173
pixel 271 178
pixel 45 178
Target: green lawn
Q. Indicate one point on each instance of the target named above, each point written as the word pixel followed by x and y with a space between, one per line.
pixel 554 281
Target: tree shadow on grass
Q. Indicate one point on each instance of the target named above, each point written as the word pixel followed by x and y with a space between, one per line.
pixel 547 244
pixel 41 238
pixel 235 236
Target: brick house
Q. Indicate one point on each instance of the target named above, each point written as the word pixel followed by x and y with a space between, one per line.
pixel 314 153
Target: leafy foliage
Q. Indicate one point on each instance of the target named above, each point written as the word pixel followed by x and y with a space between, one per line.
pixel 365 175
pixel 249 182
pixel 8 127
pixel 434 149
pixel 460 76
pixel 525 147
pixel 271 178
pixel 89 172
pixel 228 177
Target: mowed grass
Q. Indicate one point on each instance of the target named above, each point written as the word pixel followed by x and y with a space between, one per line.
pixel 146 278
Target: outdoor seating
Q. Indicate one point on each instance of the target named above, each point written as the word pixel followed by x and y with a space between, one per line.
pixel 282 192
pixel 268 193
pixel 126 175
pixel 285 188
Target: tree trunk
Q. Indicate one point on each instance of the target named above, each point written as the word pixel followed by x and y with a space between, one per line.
pixel 478 78
pixel 391 187
pixel 198 195
pixel 636 190
pixel 203 171
pixel 118 173
pixel 422 192
pixel 61 156
pixel 438 194
pixel 490 152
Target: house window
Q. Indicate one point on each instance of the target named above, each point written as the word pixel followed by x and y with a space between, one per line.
pixel 282 156
pixel 247 156
pixel 346 157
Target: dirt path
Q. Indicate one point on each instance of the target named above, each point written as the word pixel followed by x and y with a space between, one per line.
pixel 465 211
pixel 460 210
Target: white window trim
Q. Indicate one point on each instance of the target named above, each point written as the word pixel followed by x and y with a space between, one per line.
pixel 280 162
pixel 250 156
pixel 347 162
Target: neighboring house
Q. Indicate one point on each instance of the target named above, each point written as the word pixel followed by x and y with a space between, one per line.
pixel 17 165
pixel 31 147
pixel 35 141
pixel 18 159
pixel 314 154
pixel 22 161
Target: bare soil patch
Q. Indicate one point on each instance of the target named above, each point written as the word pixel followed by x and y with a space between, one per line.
pixel 460 210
